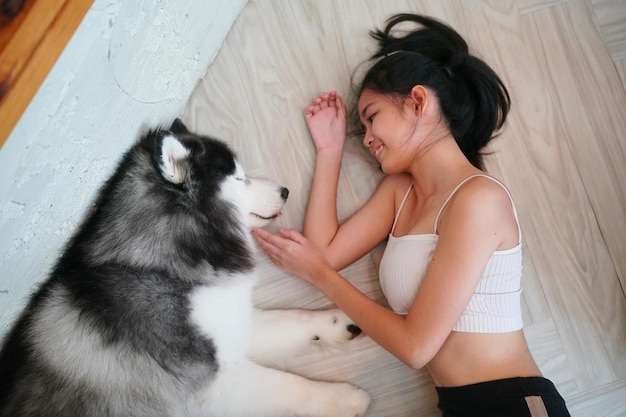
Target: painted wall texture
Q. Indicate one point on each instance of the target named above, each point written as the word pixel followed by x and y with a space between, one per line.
pixel 130 66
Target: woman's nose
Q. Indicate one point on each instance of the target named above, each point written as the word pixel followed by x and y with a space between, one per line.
pixel 367 139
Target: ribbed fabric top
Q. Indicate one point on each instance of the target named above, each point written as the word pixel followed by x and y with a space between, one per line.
pixel 495 305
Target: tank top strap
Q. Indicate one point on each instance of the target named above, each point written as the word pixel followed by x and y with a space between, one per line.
pixel 395 220
pixel 519 230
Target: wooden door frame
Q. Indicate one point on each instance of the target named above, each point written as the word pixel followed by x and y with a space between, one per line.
pixel 32 36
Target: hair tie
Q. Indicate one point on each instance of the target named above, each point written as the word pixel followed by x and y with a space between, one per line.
pixel 393 53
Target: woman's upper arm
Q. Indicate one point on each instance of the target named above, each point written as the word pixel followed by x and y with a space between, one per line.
pixel 366 228
pixel 470 231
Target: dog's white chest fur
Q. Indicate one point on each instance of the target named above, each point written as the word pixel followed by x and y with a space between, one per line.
pixel 224 314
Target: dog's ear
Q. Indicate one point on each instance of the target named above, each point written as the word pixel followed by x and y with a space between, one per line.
pixel 178 127
pixel 173 159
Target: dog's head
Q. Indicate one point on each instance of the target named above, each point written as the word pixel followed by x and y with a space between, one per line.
pixel 178 201
pixel 211 170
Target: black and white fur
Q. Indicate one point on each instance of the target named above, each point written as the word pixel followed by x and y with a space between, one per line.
pixel 149 311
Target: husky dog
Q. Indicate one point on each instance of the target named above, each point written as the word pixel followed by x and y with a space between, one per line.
pixel 149 310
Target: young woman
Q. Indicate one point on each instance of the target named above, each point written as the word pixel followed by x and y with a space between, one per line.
pixel 452 267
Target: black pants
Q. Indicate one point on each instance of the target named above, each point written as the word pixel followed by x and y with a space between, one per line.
pixel 515 397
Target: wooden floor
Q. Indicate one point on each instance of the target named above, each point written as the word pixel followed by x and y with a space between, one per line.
pixel 562 154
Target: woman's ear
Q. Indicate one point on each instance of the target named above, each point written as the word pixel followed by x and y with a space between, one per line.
pixel 419 98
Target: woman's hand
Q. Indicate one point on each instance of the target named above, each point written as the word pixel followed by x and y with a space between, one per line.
pixel 294 253
pixel 326 118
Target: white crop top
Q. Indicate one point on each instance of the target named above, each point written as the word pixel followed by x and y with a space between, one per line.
pixel 495 305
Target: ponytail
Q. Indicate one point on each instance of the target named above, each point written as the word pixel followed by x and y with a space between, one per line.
pixel 473 99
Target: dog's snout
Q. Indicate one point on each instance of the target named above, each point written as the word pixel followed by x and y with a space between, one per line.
pixel 284 193
pixel 354 330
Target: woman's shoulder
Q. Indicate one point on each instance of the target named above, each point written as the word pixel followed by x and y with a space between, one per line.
pixel 483 193
pixel 481 200
pixel 391 191
pixel 483 189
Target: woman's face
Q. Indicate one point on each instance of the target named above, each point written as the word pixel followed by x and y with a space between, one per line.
pixel 391 130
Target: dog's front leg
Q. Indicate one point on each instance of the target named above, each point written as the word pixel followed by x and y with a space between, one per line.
pixel 280 335
pixel 246 389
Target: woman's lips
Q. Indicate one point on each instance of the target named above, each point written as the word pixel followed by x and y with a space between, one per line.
pixel 376 151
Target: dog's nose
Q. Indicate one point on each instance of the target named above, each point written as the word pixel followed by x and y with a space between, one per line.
pixel 284 193
pixel 354 330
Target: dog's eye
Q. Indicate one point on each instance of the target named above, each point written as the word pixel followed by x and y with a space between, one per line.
pixel 240 178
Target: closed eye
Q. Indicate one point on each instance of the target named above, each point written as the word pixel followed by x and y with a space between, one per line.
pixel 245 180
pixel 368 121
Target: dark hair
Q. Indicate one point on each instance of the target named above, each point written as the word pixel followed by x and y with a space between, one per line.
pixel 473 99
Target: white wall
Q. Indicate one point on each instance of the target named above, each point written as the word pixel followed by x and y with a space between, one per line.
pixel 129 66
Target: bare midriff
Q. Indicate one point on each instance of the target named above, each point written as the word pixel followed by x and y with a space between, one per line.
pixel 470 358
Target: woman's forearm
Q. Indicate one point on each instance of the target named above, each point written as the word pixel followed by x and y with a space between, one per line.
pixel 320 222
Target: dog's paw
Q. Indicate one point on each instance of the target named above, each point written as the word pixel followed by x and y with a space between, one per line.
pixel 348 401
pixel 332 328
